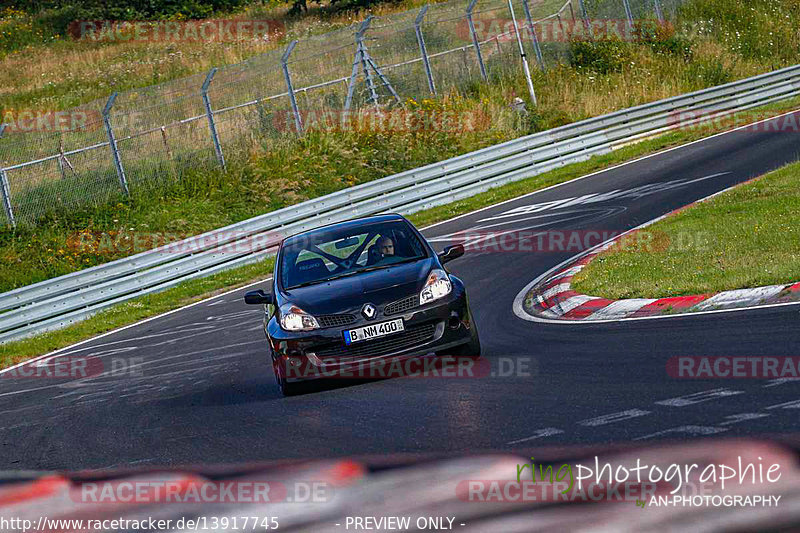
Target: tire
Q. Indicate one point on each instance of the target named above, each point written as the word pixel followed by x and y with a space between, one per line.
pixel 470 349
pixel 287 388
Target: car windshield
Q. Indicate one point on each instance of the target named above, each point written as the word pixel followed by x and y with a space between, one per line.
pixel 337 252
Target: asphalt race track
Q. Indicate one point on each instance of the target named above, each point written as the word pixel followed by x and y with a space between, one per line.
pixel 198 388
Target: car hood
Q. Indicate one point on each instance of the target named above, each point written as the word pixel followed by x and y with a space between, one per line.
pixel 349 294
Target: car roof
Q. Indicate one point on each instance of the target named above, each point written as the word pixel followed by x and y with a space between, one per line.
pixel 353 223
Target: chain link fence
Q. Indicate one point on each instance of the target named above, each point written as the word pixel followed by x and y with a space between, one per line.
pixel 135 141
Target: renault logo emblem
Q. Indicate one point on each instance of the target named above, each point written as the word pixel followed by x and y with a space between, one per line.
pixel 368 311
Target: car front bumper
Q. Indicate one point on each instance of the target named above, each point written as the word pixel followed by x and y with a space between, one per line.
pixel 322 353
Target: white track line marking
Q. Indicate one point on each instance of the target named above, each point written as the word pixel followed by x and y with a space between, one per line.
pixel 546 432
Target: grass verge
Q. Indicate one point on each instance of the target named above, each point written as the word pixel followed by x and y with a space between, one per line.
pixel 746 237
pixel 195 290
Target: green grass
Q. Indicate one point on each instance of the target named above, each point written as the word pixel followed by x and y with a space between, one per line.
pixel 747 237
pixel 195 290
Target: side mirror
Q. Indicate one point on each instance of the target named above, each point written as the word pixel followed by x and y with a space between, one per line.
pixel 258 297
pixel 451 252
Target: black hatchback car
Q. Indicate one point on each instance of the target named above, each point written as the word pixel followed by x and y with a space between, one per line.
pixel 361 293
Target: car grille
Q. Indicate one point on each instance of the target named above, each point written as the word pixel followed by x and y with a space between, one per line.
pixel 411 337
pixel 401 306
pixel 331 321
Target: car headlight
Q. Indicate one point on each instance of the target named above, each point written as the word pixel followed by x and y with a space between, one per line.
pixel 437 286
pixel 295 319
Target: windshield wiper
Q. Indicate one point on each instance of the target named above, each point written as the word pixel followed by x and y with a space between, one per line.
pixel 306 284
pixel 354 272
pixel 372 268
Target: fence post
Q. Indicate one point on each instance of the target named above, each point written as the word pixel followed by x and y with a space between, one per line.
pixel 628 13
pixel 112 143
pixel 585 17
pixel 475 43
pixel 6 194
pixel 522 54
pixel 61 157
pixel 4 188
pixel 298 123
pixel 536 48
pixel 210 115
pixel 422 50
pixel 358 61
pixel 658 10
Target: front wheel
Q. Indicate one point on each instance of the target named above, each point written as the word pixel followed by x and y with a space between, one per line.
pixel 287 388
pixel 470 349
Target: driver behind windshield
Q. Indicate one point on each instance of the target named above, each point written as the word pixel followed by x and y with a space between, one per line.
pixel 327 254
pixel 386 246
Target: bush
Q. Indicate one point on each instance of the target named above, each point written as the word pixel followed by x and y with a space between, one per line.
pixel 601 56
pixel 707 73
pixel 662 39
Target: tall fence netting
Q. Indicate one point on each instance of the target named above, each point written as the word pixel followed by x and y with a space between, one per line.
pixel 155 134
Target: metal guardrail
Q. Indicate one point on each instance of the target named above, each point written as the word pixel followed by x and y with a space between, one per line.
pixel 61 301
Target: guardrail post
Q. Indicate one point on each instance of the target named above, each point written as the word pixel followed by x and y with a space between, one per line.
pixel 658 10
pixel 522 54
pixel 628 13
pixel 585 17
pixel 536 48
pixel 298 123
pixel 6 194
pixel 422 50
pixel 475 43
pixel 112 143
pixel 210 114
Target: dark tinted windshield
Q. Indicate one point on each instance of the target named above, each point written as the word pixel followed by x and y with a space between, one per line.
pixel 343 251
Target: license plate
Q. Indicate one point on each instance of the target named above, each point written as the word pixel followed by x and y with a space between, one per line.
pixel 373 331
